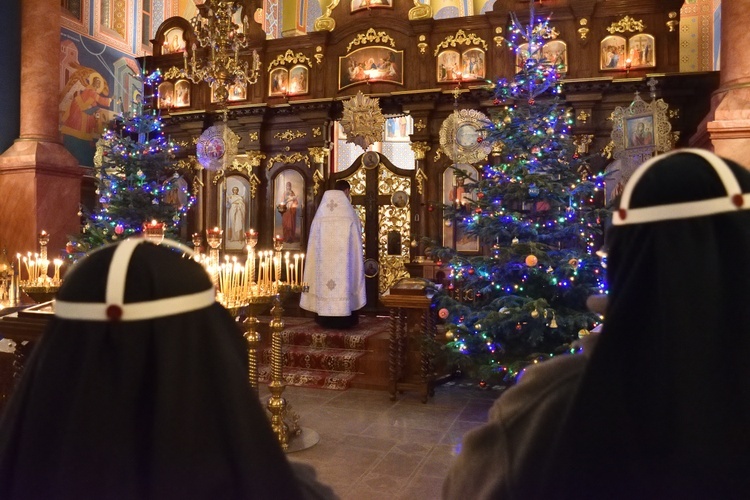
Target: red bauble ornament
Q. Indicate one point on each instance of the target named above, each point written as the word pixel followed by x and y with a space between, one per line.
pixel 478 210
pixel 443 313
pixel 482 384
pixel 430 208
pixel 575 155
pixel 480 195
pixel 70 247
pixel 531 101
pixel 471 271
pixel 480 139
pixel 496 102
pixel 119 229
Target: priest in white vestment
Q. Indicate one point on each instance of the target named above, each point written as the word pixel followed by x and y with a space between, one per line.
pixel 335 261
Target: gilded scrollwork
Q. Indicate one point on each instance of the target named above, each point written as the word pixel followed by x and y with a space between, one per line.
pixel 244 167
pixel 318 54
pixel 172 73
pixel 289 135
pixel 420 149
pixel 317 132
pixel 371 36
pixel 358 182
pixel 389 183
pixel 583 31
pixel 253 136
pixel 422 44
pixel 421 178
pixel 317 181
pixel 319 155
pixel 498 38
pixel 460 38
pixel 255 157
pixel 420 125
pixel 289 57
pixel 626 24
pixel 293 158
pixel 362 120
pixel 583 116
pixel 582 142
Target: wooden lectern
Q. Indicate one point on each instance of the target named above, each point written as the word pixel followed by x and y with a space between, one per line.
pixel 412 336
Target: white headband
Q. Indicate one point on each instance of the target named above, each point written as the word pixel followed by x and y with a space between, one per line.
pixel 734 200
pixel 114 307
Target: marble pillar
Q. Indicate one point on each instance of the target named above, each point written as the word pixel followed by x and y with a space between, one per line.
pixel 726 129
pixel 40 181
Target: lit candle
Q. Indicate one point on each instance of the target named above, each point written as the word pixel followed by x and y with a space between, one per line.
pixel 296 268
pixel 302 268
pixel 57 263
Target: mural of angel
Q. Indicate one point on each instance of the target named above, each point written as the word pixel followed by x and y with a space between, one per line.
pixel 85 104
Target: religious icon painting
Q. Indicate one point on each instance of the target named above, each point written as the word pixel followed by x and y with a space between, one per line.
pixel 289 199
pixel 237 92
pixel 555 53
pixel 399 128
pixel 298 80
pixel 174 41
pixel 641 51
pixel 472 62
pixel 371 64
pixel 166 95
pixel 454 193
pixel 613 53
pixel 357 5
pixel 181 94
pixel 234 211
pixel 448 66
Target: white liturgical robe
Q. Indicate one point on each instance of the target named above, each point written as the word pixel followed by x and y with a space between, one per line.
pixel 334 269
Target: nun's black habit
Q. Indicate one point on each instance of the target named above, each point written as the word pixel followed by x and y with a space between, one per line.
pixel 663 409
pixel 146 401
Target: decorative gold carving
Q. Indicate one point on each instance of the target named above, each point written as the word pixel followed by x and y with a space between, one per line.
pixel 392 269
pixel 289 57
pixel 420 11
pixel 438 154
pixel 675 136
pixel 420 125
pixel 293 158
pixel 317 131
pixel 674 113
pixel 628 24
pixel 422 45
pixel 608 150
pixel 253 136
pixel 318 54
pixel 362 120
pixel 172 73
pixel 319 154
pixel 358 183
pixel 546 31
pixel 673 22
pixel 499 38
pixel 583 116
pixel 460 38
pixel 242 167
pixel 421 178
pixel 497 147
pixel 583 142
pixel 289 135
pixel 371 36
pixel 465 120
pixel 255 157
pixel 420 149
pixel 389 183
pixel 326 22
pixel 317 181
pixel 583 31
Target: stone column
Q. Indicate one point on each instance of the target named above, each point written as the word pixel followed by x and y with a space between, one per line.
pixel 726 129
pixel 40 181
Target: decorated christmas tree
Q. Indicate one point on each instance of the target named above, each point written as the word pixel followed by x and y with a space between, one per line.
pixel 138 180
pixel 534 208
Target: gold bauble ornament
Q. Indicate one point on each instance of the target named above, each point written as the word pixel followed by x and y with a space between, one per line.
pixel 534 313
pixel 583 333
pixel 531 260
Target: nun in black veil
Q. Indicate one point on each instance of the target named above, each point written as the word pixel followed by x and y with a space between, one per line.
pixel 661 409
pixel 138 390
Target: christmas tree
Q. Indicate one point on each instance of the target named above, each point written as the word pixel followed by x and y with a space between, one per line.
pixel 534 209
pixel 138 179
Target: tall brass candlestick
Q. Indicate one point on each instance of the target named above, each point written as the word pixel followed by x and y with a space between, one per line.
pixel 276 403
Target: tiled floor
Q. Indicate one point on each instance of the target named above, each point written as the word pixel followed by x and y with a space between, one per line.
pixel 374 448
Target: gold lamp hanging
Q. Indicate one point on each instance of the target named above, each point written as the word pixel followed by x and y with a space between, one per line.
pixel 214 27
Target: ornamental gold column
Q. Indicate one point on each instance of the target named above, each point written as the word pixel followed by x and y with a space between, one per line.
pixel 40 181
pixel 418 222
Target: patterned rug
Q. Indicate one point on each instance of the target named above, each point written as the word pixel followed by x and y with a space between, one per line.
pixel 314 356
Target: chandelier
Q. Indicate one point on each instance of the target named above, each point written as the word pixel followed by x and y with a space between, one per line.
pixel 215 27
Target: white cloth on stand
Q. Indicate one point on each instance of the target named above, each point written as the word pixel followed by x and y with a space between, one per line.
pixel 334 269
